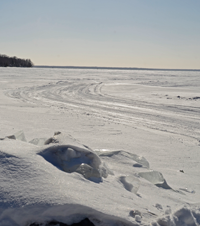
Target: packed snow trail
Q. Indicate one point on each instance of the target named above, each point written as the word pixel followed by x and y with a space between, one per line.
pixel 124 98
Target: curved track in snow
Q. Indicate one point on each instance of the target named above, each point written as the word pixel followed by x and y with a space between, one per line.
pixel 118 101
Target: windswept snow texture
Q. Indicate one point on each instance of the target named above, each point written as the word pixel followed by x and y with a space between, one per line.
pixel 128 150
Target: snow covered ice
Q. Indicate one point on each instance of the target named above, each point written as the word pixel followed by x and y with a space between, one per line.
pixel 127 152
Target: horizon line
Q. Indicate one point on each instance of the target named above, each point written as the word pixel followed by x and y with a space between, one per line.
pixel 113 68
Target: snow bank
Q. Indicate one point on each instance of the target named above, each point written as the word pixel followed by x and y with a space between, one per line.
pixel 55 182
pixel 44 184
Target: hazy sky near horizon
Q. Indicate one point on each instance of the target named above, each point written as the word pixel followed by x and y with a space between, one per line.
pixel 116 33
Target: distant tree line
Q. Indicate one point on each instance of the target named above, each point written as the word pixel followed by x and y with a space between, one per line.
pixel 6 61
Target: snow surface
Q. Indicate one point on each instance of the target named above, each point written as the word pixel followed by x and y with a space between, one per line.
pixel 128 152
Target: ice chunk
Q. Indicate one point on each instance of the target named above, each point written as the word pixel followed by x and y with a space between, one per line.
pixel 20 136
pixel 87 171
pixel 142 162
pixel 38 141
pixel 75 159
pixel 130 183
pixel 17 136
pixel 105 170
pixel 156 178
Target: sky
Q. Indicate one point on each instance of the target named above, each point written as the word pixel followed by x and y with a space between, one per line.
pixel 107 33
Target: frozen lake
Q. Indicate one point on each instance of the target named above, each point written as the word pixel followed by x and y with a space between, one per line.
pixel 159 100
pixel 149 113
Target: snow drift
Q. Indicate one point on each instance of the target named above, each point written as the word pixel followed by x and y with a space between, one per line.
pixel 44 184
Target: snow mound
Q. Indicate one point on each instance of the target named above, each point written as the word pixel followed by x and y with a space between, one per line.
pixel 52 184
pixel 33 191
pixel 71 159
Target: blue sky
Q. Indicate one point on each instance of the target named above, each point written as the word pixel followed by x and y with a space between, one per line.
pixel 116 33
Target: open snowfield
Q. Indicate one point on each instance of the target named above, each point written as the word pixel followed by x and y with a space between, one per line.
pixel 128 152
